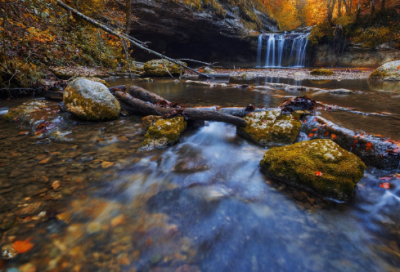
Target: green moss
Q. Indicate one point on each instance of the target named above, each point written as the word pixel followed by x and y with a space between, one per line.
pixel 321 72
pixel 164 132
pixel 87 109
pixel 378 74
pixel 270 128
pixel 299 164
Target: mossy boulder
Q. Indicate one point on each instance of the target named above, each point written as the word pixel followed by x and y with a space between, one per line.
pixel 270 128
pixel 148 121
pixel 319 166
pixel 90 101
pixel 156 68
pixel 163 133
pixel 321 72
pixel 389 71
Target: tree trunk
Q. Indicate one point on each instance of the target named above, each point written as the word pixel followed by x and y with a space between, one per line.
pixel 128 16
pixel 331 6
pixel 140 106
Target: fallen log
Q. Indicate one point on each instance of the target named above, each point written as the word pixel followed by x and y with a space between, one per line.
pixel 140 106
pixel 382 153
pixel 146 95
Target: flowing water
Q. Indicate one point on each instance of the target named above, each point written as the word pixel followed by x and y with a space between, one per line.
pixel 282 50
pixel 201 205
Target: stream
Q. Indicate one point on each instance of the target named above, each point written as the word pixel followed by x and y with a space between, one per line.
pixel 201 205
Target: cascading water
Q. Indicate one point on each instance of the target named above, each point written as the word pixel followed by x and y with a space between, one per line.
pixel 260 39
pixel 282 50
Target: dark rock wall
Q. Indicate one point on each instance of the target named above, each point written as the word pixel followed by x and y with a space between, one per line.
pixel 324 55
pixel 184 32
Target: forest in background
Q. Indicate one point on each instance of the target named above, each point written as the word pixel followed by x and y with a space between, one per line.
pixel 38 34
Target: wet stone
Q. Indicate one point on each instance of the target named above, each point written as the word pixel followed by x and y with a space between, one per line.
pixel 8 252
pixel 29 209
pixel 7 223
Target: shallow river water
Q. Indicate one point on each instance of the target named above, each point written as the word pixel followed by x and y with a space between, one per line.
pixel 201 205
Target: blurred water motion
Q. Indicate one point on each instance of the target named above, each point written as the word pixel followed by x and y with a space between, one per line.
pixel 201 205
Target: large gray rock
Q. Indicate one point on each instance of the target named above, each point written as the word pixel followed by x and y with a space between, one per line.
pixel 389 71
pixel 91 101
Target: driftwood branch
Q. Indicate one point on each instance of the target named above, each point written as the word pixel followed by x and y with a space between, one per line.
pixel 145 95
pixel 134 41
pixel 140 106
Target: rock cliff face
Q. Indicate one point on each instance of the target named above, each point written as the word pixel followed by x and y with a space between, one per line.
pixel 182 31
pixel 353 55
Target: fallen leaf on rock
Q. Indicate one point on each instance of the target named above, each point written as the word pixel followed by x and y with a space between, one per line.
pixel 369 146
pixel 107 164
pixel 326 134
pixel 318 173
pixel 23 246
pixel 385 185
pixel 333 137
pixel 23 133
pixel 314 129
pixel 310 135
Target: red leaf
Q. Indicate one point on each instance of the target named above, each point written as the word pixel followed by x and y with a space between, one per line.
pixel 333 137
pixel 385 185
pixel 23 246
pixel 314 129
pixel 369 146
pixel 318 173
pixel 310 135
pixel 326 134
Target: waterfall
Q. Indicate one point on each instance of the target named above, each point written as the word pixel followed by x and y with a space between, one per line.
pixel 259 48
pixel 283 50
pixel 270 60
pixel 281 45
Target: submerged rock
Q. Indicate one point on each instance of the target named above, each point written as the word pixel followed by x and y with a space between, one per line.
pixel 245 76
pixel 40 118
pixel 389 71
pixel 320 166
pixel 270 128
pixel 163 133
pixel 156 68
pixel 341 91
pixel 90 101
pixel 321 72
